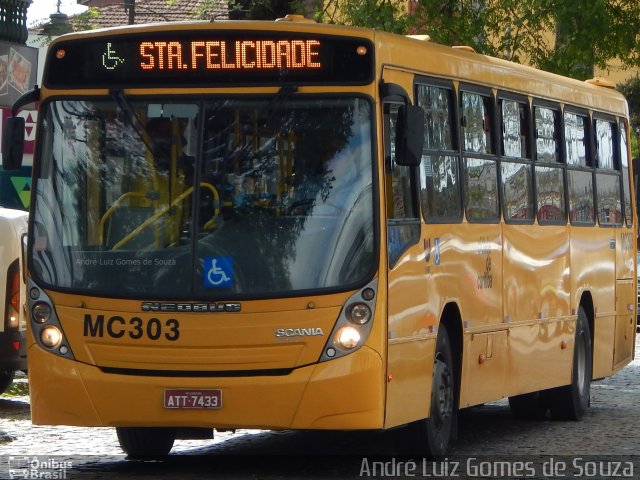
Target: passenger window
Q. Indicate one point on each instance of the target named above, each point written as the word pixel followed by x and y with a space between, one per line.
pixel 575 136
pixel 546 121
pixel 480 174
pixel 476 123
pixel 515 168
pixel 608 193
pixel 550 195
pixel 514 129
pixel 440 179
pixel 624 161
pixel 604 145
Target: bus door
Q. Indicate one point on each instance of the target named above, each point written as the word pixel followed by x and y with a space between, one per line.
pixel 410 354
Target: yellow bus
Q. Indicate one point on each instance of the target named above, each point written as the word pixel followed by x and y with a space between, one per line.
pixel 287 225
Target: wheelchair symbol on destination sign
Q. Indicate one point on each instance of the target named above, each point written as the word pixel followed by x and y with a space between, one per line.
pixel 109 59
pixel 219 271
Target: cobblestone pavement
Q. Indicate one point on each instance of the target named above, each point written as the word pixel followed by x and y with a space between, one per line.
pixel 610 429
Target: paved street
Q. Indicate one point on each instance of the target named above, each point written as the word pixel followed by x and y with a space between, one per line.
pixel 610 430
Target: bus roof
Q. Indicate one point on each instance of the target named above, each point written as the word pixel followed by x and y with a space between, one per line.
pixel 420 56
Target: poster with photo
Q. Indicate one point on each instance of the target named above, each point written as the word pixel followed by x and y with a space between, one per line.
pixel 19 71
pixel 4 74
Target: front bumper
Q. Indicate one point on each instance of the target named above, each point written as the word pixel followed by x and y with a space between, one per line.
pixel 346 393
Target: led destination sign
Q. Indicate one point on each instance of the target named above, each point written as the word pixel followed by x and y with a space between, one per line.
pixel 209 59
pixel 247 55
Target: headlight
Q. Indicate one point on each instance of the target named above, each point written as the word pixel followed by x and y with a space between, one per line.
pixel 353 324
pixel 360 313
pixel 41 312
pixel 347 337
pixel 50 336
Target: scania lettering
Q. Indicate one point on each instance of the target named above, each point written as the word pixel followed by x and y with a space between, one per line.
pixel 299 332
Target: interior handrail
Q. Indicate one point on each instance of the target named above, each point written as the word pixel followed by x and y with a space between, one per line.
pixel 159 213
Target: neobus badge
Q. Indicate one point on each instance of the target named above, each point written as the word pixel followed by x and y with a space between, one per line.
pixel 190 307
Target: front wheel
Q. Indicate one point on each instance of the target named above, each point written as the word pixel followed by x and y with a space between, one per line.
pixel 433 435
pixel 570 402
pixel 146 441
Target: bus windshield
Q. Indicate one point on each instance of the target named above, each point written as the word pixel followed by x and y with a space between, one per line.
pixel 207 199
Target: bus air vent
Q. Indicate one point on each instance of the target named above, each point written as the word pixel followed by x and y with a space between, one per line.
pixel 601 82
pixel 295 18
pixel 466 48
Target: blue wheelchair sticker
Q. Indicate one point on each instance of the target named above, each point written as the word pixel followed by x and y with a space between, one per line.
pixel 218 272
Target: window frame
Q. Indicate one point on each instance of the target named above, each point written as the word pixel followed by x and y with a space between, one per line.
pixel 526 160
pixel 491 156
pixel 455 152
pixel 615 171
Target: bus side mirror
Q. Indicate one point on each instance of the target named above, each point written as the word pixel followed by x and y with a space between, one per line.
pixel 13 143
pixel 409 135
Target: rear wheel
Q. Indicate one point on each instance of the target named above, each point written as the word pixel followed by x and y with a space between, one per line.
pixel 146 441
pixel 433 435
pixel 570 402
pixel 6 378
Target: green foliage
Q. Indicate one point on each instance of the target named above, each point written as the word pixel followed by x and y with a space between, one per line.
pixel 251 9
pixel 569 38
pixel 85 20
pixel 387 15
pixel 17 389
pixel 591 33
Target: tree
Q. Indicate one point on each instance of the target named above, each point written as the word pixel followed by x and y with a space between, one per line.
pixel 387 15
pixel 591 33
pixel 631 90
pixel 570 38
pixel 252 9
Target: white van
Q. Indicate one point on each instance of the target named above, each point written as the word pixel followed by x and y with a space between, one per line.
pixel 13 355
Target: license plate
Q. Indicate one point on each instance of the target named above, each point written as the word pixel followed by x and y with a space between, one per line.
pixel 194 399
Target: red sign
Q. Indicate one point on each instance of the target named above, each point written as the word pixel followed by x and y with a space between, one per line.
pixel 30 117
pixel 193 399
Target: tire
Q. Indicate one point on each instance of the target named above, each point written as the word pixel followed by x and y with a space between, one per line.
pixel 530 406
pixel 146 441
pixel 432 435
pixel 6 379
pixel 571 402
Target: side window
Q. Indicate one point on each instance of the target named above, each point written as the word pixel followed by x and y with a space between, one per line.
pixel 550 195
pixel 403 225
pixel 579 174
pixel 546 122
pixel 476 122
pixel 608 193
pixel 549 171
pixel 605 132
pixel 515 168
pixel 514 129
pixel 481 173
pixel 624 164
pixel 439 177
pixel 575 139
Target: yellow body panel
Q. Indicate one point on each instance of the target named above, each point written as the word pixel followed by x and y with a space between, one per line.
pixel 345 393
pixel 516 288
